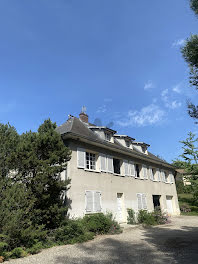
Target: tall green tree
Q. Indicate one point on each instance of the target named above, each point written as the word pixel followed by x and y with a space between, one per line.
pixel 40 158
pixel 190 156
pixel 190 54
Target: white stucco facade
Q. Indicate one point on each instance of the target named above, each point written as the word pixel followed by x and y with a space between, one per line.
pixel 118 191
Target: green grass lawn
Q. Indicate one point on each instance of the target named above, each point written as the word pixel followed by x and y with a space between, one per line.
pixel 187 199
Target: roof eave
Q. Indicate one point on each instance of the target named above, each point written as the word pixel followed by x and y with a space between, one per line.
pixel 111 146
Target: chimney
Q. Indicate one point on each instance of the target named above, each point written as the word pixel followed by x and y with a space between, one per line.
pixel 83 116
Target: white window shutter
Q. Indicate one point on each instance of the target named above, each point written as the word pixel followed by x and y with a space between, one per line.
pixel 163 176
pixel 89 201
pixel 126 168
pixel 103 162
pixel 80 158
pixel 144 204
pixel 131 169
pixel 158 175
pixel 97 202
pixel 139 201
pixel 171 177
pixel 151 173
pixel 144 171
pixel 110 164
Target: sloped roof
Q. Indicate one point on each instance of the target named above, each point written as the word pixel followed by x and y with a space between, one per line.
pixel 78 128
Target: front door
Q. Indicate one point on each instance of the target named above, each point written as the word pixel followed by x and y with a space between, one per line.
pixel 169 204
pixel 120 206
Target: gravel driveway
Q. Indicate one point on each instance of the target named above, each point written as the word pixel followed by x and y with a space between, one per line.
pixel 173 243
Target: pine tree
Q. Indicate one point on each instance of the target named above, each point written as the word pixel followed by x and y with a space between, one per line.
pixel 40 158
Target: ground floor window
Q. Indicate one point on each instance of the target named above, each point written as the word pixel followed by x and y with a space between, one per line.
pixel 156 201
pixel 93 201
pixel 141 201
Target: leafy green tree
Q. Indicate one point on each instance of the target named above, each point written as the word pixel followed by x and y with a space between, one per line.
pixel 179 164
pixel 194 6
pixel 190 156
pixel 40 158
pixel 190 54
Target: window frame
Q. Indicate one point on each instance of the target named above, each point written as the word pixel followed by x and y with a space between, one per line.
pixel 120 163
pixel 107 136
pixel 90 163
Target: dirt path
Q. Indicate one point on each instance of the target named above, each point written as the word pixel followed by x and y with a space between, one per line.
pixel 173 243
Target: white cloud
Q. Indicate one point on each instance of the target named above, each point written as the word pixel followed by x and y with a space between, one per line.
pixel 101 109
pixel 148 115
pixel 179 42
pixel 168 102
pixel 173 105
pixel 148 85
pixel 177 88
pixel 164 95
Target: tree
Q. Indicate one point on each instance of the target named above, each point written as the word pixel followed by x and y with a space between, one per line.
pixel 9 140
pixel 190 156
pixel 179 164
pixel 190 54
pixel 39 160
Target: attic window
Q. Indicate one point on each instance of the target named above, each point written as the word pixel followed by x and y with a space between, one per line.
pixel 128 144
pixel 144 149
pixel 107 136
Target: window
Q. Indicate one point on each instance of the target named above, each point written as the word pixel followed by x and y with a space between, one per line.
pixel 116 166
pixel 90 161
pixel 166 177
pixel 137 170
pixel 127 143
pixel 93 201
pixel 154 174
pixel 107 136
pixel 141 201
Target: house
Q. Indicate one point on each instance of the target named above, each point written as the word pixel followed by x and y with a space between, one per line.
pixel 183 175
pixel 111 172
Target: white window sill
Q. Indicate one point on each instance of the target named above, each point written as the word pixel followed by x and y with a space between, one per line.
pixel 116 174
pixel 89 213
pixel 97 171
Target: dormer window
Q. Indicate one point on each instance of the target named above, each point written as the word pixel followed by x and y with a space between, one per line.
pixel 107 137
pixel 128 144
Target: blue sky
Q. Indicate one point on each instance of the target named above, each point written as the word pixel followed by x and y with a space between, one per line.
pixel 121 59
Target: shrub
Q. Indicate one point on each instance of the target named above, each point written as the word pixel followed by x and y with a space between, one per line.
pixel 3 248
pixel 146 218
pixel 115 227
pixel 160 218
pixel 73 231
pixel 185 208
pixel 98 223
pixel 131 216
pixel 36 248
pixel 18 253
pixel 101 224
